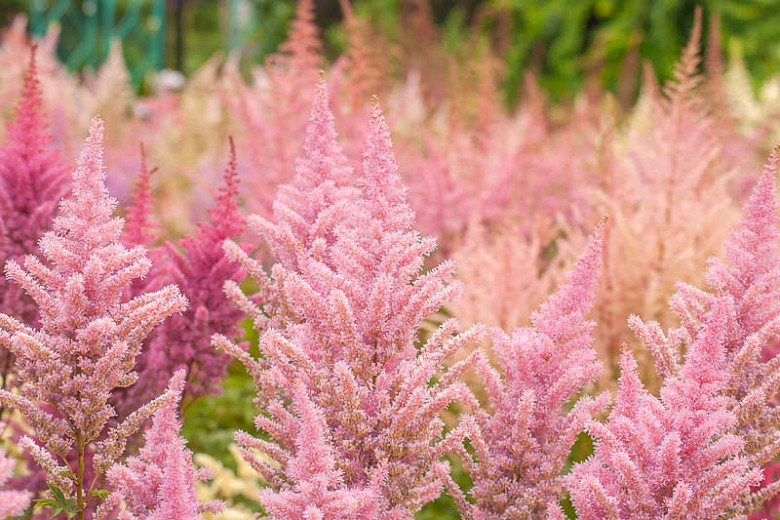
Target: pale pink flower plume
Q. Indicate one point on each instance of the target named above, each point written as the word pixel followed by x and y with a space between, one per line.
pixel 89 333
pixel 316 490
pixel 159 483
pixel 676 456
pixel 521 448
pixel 750 282
pixel 12 503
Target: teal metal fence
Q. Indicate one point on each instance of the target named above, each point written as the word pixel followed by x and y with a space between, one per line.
pixel 88 27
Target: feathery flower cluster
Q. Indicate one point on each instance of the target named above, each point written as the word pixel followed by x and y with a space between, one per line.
pixel 670 457
pixel 522 448
pixel 32 181
pixel 12 503
pixel 749 287
pixel 159 484
pixel 89 334
pixel 200 269
pixel 715 423
pixel 318 490
pixel 350 302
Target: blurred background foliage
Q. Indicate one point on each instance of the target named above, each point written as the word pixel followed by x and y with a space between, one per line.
pixel 569 45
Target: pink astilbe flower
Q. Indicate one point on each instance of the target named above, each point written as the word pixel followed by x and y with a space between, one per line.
pixel 159 484
pixel 12 503
pixel 751 281
pixel 317 491
pixel 351 302
pixel 139 228
pixel 89 334
pixel 200 268
pixel 306 210
pixel 676 456
pixel 273 111
pixel 671 207
pixel 32 180
pixel 363 62
pixel 521 448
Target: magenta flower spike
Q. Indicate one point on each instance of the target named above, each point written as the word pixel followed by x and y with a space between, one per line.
pixel 32 181
pixel 199 267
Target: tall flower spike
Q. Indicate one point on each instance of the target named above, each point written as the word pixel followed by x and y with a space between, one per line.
pixel 302 51
pixel 139 229
pixel 200 269
pixel 305 211
pixel 522 448
pixel 89 334
pixel 159 484
pixel 751 280
pixel 12 503
pixel 32 180
pixel 673 457
pixel 349 311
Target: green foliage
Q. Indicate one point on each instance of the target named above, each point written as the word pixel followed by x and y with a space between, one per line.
pixel 568 42
pixel 58 503
pixel 209 422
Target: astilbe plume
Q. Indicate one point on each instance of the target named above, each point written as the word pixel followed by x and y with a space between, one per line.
pixel 318 492
pixel 12 503
pixel 159 483
pixel 505 274
pixel 362 61
pixel 673 457
pixel 200 268
pixel 273 111
pixel 750 282
pixel 139 228
pixel 32 180
pixel 522 447
pixel 305 210
pixel 350 303
pixel 89 334
pixel 671 208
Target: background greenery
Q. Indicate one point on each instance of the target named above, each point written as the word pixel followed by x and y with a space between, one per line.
pixel 569 44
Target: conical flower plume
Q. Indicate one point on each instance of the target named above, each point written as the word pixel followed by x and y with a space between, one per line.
pixel 159 483
pixel 89 333
pixel 351 297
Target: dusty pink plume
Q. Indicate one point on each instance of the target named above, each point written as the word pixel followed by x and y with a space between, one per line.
pixel 306 211
pixel 273 112
pixel 12 503
pixel 317 490
pixel 139 228
pixel 521 449
pixel 351 298
pixel 89 335
pixel 676 456
pixel 159 483
pixel 750 280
